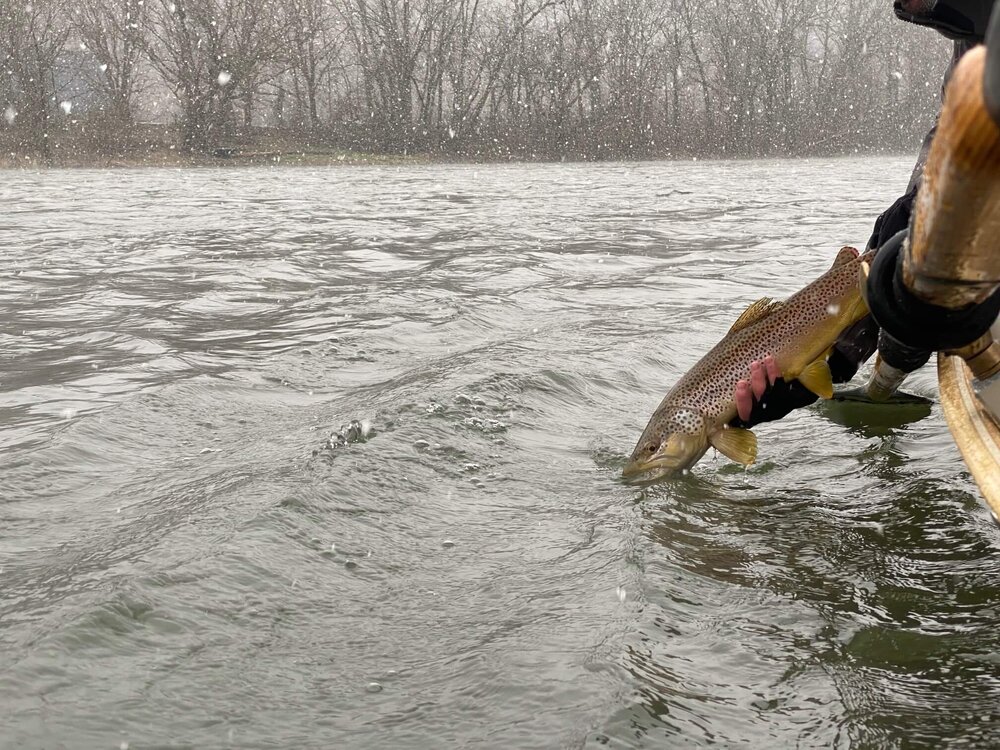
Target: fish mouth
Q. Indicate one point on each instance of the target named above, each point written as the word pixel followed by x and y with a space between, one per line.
pixel 652 470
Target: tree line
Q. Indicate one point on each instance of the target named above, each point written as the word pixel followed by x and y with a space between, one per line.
pixel 479 78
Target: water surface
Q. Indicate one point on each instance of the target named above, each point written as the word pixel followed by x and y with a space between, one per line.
pixel 195 552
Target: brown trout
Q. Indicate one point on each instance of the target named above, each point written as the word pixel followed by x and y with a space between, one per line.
pixel 798 332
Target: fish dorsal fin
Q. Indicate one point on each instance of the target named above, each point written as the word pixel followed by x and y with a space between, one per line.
pixel 845 255
pixel 817 378
pixel 735 443
pixel 757 311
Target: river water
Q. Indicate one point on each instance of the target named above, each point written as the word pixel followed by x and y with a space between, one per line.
pixel 197 550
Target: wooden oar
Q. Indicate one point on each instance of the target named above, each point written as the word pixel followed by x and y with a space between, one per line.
pixel 953 256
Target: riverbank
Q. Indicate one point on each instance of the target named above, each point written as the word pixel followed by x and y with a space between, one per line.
pixel 334 157
pixel 237 157
pixel 162 146
pixel 150 145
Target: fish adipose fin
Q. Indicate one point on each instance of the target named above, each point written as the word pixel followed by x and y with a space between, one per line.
pixel 817 378
pixel 757 311
pixel 738 444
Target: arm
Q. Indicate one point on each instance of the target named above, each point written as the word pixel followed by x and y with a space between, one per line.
pixel 766 396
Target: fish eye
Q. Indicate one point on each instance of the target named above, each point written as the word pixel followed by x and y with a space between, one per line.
pixel 651 448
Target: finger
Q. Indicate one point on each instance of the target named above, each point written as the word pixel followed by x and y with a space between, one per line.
pixel 773 371
pixel 744 400
pixel 758 379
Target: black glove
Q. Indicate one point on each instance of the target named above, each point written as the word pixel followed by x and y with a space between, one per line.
pixel 854 346
pixel 778 400
pixel 913 327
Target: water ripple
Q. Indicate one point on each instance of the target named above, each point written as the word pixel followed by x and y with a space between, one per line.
pixel 196 549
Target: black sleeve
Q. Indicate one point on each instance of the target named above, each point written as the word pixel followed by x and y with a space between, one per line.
pixel 857 343
pixel 894 219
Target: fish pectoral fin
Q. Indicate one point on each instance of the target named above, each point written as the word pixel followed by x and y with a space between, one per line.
pixel 757 311
pixel 817 378
pixel 738 444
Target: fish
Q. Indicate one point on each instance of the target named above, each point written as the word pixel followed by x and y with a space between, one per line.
pixel 799 332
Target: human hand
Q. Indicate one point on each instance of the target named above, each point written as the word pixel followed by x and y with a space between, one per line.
pixel 762 374
pixel 767 396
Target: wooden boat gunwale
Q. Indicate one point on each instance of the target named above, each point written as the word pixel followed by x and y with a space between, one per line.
pixel 973 428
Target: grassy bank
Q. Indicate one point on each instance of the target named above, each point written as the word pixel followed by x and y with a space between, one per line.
pixel 157 158
pixel 88 145
pixel 161 146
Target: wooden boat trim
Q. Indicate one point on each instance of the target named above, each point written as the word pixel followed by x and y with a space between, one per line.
pixel 975 431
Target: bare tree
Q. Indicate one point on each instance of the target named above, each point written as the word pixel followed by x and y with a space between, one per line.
pixel 544 78
pixel 32 35
pixel 213 53
pixel 391 38
pixel 480 54
pixel 314 41
pixel 635 47
pixel 113 31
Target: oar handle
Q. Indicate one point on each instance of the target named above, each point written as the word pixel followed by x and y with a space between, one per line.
pixel 952 257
